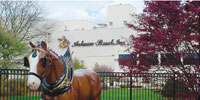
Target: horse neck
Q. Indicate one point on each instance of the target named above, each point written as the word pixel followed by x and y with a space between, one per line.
pixel 55 71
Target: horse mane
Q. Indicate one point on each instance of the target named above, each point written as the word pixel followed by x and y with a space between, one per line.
pixel 51 51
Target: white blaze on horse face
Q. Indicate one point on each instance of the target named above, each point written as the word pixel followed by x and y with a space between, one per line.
pixel 33 81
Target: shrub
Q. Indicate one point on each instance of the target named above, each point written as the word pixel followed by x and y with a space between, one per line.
pixel 103 68
pixel 179 88
pixel 122 79
pixel 15 87
pixel 124 86
pixel 104 86
pixel 107 80
pixel 3 88
pixel 146 80
pixel 78 64
pixel 16 90
pixel 134 86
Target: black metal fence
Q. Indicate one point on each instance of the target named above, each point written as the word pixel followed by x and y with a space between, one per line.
pixel 115 86
pixel 13 85
pixel 148 86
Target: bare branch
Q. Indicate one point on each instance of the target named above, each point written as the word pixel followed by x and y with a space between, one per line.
pixel 21 17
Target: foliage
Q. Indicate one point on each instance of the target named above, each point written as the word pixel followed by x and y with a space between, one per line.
pixel 146 80
pixel 10 48
pixel 104 86
pixel 170 29
pixel 170 89
pixel 123 79
pixel 78 65
pixel 124 86
pixel 15 87
pixel 103 68
pixel 136 86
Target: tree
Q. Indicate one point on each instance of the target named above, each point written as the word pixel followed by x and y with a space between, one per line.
pixel 10 48
pixel 78 65
pixel 169 40
pixel 24 19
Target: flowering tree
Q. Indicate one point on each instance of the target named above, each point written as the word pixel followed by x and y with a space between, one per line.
pixel 168 39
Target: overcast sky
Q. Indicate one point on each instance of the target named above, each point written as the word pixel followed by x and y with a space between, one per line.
pixel 91 10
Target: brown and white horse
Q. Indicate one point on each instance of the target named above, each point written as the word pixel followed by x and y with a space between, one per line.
pixel 59 82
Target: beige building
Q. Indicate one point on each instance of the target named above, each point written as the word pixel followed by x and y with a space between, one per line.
pixel 101 46
pixel 92 43
pixel 120 15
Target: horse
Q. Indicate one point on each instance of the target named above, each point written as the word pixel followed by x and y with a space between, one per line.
pixel 57 78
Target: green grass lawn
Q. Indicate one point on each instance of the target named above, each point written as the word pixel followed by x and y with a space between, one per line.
pixel 124 94
pixel 113 94
pixel 23 98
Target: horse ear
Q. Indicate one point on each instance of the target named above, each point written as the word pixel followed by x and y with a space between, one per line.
pixel 32 45
pixel 44 45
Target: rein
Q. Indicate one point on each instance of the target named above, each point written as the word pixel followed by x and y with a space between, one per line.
pixel 63 83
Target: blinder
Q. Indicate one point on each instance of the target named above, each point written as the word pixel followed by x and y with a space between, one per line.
pixel 26 63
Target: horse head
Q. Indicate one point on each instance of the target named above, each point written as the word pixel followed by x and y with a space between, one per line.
pixel 37 61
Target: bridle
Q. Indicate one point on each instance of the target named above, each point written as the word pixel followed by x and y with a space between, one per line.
pixel 44 59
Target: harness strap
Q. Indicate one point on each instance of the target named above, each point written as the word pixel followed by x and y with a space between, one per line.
pixel 66 82
pixel 70 57
pixel 58 82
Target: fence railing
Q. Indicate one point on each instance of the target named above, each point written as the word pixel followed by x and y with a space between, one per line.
pixel 115 86
pixel 13 85
pixel 148 86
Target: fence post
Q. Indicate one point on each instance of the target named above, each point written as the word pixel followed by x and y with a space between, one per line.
pixel 174 86
pixel 0 81
pixel 131 86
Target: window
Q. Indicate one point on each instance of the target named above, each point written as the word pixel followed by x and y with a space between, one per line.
pixel 148 59
pixel 127 58
pixel 110 23
pixel 124 56
pixel 125 22
pixel 191 59
pixel 170 59
pixel 65 28
pixel 94 27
